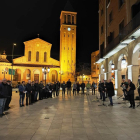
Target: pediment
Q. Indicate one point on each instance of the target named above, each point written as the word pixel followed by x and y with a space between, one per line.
pixel 38 40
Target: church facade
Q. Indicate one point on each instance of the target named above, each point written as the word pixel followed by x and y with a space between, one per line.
pixel 37 56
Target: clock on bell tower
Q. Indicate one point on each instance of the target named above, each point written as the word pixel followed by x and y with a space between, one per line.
pixel 68 45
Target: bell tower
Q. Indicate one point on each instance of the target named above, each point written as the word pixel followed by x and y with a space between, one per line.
pixel 68 43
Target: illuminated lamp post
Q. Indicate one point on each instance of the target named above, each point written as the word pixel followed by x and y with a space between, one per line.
pixel 14 44
pixel 4 72
pixel 45 71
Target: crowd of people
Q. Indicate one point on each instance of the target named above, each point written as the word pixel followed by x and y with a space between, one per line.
pixel 30 91
pixel 106 89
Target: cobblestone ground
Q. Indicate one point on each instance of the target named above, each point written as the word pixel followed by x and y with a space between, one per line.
pixel 70 118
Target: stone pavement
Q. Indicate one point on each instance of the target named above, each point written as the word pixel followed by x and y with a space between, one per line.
pixel 70 118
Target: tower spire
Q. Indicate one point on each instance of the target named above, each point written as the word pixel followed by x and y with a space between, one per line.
pixel 68 7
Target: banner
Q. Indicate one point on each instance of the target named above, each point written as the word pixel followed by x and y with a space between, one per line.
pixel 10 71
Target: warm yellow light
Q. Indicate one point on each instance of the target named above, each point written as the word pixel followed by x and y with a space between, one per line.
pixel 14 44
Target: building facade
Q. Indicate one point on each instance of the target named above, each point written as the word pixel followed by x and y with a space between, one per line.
pixel 119 41
pixel 94 67
pixel 37 56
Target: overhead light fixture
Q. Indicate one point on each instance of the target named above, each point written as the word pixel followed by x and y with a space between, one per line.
pixel 112 66
pixel 123 60
pixel 133 38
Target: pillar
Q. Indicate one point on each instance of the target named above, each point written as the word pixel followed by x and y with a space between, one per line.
pixel 119 81
pixel 105 76
pixel 130 72
pixel 116 79
pixel 135 74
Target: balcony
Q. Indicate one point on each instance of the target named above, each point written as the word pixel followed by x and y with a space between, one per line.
pixel 128 34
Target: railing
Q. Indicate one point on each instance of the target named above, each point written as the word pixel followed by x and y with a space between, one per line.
pixel 132 25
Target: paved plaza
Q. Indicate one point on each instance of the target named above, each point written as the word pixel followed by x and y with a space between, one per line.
pixel 70 118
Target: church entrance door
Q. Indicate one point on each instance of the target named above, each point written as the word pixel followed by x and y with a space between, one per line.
pixel 36 77
pixel 53 77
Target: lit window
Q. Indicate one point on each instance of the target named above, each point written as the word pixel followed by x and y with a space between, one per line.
pixel 37 56
pixel 45 56
pixel 29 56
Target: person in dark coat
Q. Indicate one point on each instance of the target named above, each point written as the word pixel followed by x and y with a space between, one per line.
pixel 36 90
pixel 68 87
pixel 110 89
pixel 9 93
pixel 4 92
pixel 93 86
pixel 78 87
pixel 102 87
pixel 83 86
pixel 54 89
pixel 63 86
pixel 33 92
pixel 48 91
pixel 41 87
pixel 57 88
pixel 130 93
pixel 28 93
pixel 22 92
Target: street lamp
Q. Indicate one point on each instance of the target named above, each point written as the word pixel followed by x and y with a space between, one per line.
pixel 14 44
pixel 4 72
pixel 45 71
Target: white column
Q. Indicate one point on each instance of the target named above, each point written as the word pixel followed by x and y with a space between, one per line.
pixel 119 76
pixel 105 76
pixel 130 72
pixel 116 79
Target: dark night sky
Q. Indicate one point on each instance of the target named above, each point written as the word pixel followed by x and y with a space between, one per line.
pixel 22 20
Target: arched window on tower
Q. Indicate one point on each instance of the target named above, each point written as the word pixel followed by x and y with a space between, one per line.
pixel 69 19
pixel 72 19
pixel 45 56
pixel 37 56
pixel 29 55
pixel 64 18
